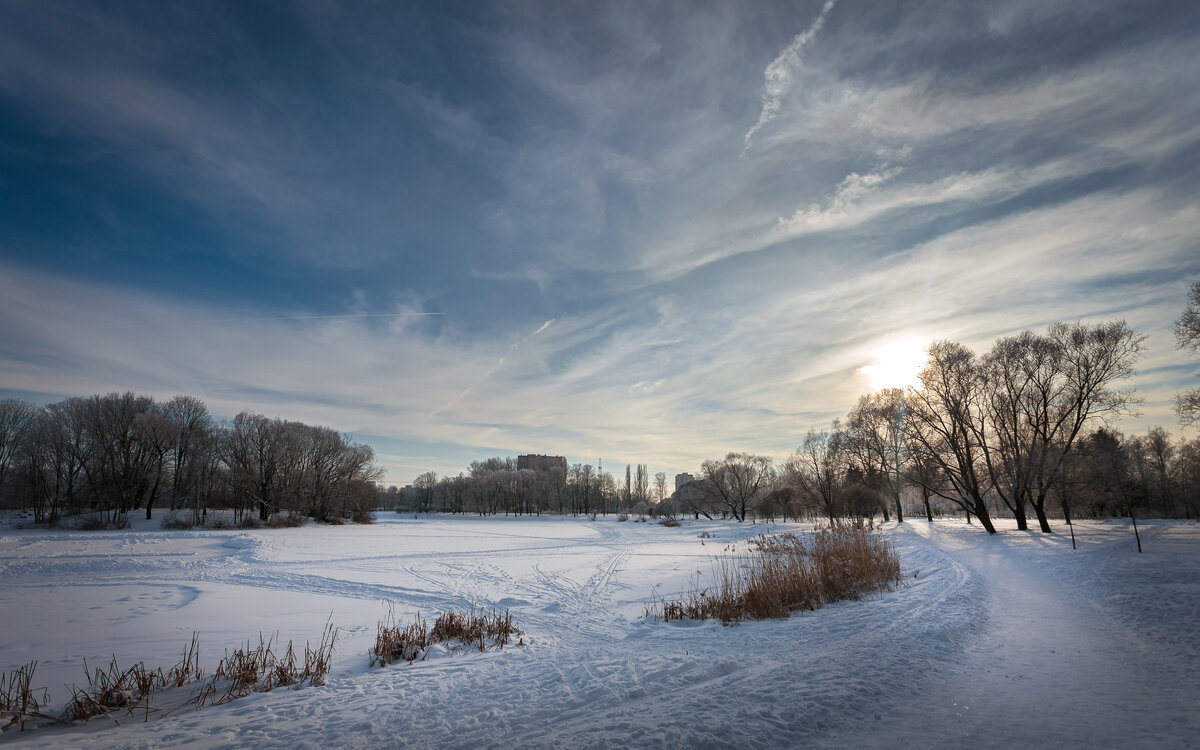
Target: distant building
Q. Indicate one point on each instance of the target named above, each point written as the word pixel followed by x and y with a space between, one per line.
pixel 682 479
pixel 538 462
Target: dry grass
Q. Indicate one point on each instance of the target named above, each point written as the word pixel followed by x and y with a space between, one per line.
pixel 259 670
pixel 19 699
pixel 395 642
pixel 136 690
pixel 111 689
pixel 784 573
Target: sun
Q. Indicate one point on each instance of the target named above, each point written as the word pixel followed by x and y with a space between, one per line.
pixel 896 364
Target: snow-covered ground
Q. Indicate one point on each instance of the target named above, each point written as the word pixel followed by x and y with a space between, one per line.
pixel 1012 640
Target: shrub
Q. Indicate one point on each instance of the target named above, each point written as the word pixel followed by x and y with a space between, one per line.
pixel 97 522
pixel 175 522
pixel 622 516
pixel 249 522
pixel 782 574
pixel 218 521
pixel 670 522
pixel 286 520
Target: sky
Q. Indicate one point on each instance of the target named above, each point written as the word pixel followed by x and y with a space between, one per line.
pixel 632 232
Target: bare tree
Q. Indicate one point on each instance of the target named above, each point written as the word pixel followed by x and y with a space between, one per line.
pixel 1072 375
pixel 1160 454
pixel 875 438
pixel 253 449
pixel 641 485
pixel 1187 336
pixel 16 420
pixel 660 486
pixel 817 469
pixel 194 459
pixel 52 459
pixel 946 427
pixel 738 479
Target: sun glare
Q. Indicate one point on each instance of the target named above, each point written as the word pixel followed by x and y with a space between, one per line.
pixel 896 365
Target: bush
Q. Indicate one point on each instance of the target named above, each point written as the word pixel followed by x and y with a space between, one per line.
pixel 782 574
pixel 175 522
pixel 670 522
pixel 218 521
pixel 249 522
pixel 286 520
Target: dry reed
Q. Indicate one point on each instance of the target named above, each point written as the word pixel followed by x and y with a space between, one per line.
pixel 783 573
pixel 395 642
pixel 19 699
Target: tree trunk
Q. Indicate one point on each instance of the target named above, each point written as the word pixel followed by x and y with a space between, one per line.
pixel 984 519
pixel 1043 522
pixel 1019 514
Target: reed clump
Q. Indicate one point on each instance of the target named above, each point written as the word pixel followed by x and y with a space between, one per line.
pixel 19 700
pixel 142 692
pixel 783 573
pixel 260 670
pixel 474 629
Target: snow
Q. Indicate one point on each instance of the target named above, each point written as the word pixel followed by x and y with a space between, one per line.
pixel 1000 641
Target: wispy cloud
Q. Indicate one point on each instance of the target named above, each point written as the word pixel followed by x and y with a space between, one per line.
pixel 631 272
pixel 778 75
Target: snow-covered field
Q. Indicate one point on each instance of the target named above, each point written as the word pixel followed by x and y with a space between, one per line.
pixel 1012 640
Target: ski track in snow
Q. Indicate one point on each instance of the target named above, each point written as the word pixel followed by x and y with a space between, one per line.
pixel 1012 640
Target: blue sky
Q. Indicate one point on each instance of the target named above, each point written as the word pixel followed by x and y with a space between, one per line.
pixel 642 232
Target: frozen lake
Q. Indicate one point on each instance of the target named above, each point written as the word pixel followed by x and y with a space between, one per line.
pixel 995 641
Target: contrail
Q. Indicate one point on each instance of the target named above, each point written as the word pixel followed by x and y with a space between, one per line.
pixel 329 317
pixel 778 75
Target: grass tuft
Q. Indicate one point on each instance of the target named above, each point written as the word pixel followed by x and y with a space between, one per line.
pixel 259 670
pixel 19 699
pixel 395 642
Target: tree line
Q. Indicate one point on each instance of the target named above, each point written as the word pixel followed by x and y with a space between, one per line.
pixel 1025 430
pixel 495 485
pixel 113 454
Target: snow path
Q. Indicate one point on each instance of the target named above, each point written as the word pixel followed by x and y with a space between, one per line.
pixel 1059 660
pixel 993 641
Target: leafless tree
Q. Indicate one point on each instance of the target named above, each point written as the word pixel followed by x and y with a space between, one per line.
pixel 1187 336
pixel 945 426
pixel 660 486
pixel 875 439
pixel 738 479
pixel 16 420
pixel 195 454
pixel 1044 390
pixel 641 485
pixel 817 469
pixel 252 447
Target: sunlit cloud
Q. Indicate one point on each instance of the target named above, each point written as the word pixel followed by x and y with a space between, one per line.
pixel 560 236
